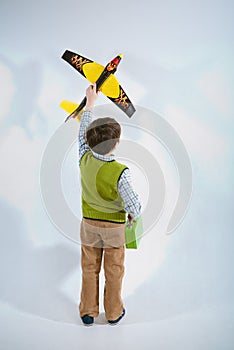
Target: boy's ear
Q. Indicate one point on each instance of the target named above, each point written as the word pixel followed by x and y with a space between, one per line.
pixel 116 145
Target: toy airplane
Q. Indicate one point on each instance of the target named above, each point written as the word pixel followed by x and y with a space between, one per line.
pixel 105 82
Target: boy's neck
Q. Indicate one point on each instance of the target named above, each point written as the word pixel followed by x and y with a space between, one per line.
pixel 109 154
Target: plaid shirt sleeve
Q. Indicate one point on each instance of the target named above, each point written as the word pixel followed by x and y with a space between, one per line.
pixel 132 204
pixel 86 119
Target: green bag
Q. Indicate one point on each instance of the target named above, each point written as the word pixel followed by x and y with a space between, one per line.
pixel 133 234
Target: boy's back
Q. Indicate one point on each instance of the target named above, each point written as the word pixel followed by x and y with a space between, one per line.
pixel 100 197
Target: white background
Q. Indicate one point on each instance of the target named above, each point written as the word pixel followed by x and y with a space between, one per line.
pixel 178 61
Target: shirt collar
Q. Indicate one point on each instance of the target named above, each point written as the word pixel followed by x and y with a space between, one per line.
pixel 109 158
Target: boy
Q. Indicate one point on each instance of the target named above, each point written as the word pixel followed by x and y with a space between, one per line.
pixel 107 195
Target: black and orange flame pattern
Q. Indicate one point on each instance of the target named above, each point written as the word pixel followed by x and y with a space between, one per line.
pixel 78 62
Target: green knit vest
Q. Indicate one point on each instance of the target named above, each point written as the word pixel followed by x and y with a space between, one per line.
pixel 100 197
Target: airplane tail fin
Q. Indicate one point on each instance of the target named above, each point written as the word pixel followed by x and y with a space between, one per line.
pixel 70 107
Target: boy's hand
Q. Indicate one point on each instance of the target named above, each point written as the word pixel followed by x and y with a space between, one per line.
pixel 130 219
pixel 91 95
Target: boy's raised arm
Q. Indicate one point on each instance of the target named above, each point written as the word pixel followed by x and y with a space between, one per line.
pixel 91 95
pixel 86 119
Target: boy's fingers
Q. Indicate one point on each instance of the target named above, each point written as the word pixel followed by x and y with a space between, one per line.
pixel 92 89
pixel 95 88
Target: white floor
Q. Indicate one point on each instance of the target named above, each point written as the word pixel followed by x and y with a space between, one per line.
pixel 208 328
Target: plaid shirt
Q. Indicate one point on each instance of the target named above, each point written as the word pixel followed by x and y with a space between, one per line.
pixel 130 198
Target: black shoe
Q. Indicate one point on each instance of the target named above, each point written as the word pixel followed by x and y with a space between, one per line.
pixel 114 322
pixel 87 320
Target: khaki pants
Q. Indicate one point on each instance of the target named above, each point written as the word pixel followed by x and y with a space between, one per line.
pixel 102 241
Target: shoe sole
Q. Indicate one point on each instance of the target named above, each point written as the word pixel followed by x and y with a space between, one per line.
pixel 112 323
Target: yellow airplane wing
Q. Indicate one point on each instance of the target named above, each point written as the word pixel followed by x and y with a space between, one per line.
pixel 70 107
pixel 88 68
pixel 113 90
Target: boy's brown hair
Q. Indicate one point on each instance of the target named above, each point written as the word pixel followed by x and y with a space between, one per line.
pixel 103 134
